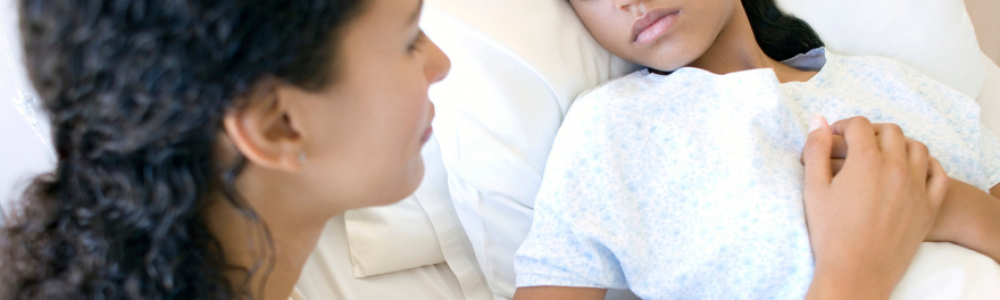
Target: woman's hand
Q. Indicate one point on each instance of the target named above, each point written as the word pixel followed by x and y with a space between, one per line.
pixel 867 222
pixel 968 216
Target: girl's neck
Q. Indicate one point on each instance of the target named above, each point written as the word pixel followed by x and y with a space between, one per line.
pixel 735 49
pixel 293 237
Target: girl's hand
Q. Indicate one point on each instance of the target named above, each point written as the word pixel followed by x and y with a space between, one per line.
pixel 867 222
pixel 969 217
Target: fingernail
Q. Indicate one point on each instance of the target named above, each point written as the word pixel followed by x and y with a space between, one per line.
pixel 816 123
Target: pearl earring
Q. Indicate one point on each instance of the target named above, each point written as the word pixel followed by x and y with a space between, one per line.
pixel 302 157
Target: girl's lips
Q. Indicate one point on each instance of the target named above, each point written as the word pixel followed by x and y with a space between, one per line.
pixel 654 24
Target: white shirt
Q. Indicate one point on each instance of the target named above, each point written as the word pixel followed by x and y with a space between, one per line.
pixel 689 186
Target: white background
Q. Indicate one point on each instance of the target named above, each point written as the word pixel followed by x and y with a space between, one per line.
pixel 22 153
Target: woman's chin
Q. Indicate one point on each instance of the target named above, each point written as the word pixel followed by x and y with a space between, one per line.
pixel 409 183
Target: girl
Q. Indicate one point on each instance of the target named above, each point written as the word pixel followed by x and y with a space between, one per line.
pixel 203 145
pixel 683 181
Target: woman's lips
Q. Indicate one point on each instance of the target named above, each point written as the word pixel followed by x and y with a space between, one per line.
pixel 652 25
pixel 430 129
pixel 427 135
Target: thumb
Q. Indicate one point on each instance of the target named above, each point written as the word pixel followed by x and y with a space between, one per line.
pixel 816 154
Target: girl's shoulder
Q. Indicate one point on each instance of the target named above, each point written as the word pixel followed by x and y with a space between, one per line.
pixel 875 67
pixel 885 73
pixel 870 64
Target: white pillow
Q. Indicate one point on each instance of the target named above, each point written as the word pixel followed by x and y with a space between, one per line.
pixel 936 37
pixel 945 271
pixel 518 64
pixel 422 230
pixel 18 89
pixel 25 152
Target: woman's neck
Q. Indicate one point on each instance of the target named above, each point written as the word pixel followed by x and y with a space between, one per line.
pixel 294 235
pixel 735 49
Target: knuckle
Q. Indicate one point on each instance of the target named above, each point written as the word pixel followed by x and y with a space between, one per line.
pixel 919 148
pixel 892 129
pixel 945 182
pixel 860 121
pixel 871 154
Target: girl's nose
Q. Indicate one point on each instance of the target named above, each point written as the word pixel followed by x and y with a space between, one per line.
pixel 630 6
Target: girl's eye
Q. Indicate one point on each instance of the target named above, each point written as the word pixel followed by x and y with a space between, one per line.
pixel 416 42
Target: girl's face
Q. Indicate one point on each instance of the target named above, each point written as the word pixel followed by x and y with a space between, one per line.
pixel 367 129
pixel 662 34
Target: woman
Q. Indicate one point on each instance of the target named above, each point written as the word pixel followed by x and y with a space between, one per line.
pixel 203 144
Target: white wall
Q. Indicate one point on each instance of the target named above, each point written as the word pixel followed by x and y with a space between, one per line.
pixel 22 153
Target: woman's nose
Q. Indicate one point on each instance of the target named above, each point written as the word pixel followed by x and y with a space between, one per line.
pixel 438 64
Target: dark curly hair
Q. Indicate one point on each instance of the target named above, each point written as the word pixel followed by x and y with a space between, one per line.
pixel 136 91
pixel 781 36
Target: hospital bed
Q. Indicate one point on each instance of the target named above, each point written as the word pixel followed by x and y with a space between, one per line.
pixel 517 67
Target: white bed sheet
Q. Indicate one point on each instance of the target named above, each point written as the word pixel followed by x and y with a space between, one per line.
pixel 944 271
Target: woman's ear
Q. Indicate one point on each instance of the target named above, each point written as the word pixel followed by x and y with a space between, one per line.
pixel 264 128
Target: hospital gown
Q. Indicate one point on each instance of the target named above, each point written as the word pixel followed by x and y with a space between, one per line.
pixel 689 186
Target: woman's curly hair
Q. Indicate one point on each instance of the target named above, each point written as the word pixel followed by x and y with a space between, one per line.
pixel 136 91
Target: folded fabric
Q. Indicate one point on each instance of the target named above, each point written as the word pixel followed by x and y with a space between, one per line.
pixel 391 238
pixel 420 231
pixel 399 236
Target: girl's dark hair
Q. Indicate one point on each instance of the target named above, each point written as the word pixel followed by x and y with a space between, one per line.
pixel 780 35
pixel 136 91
